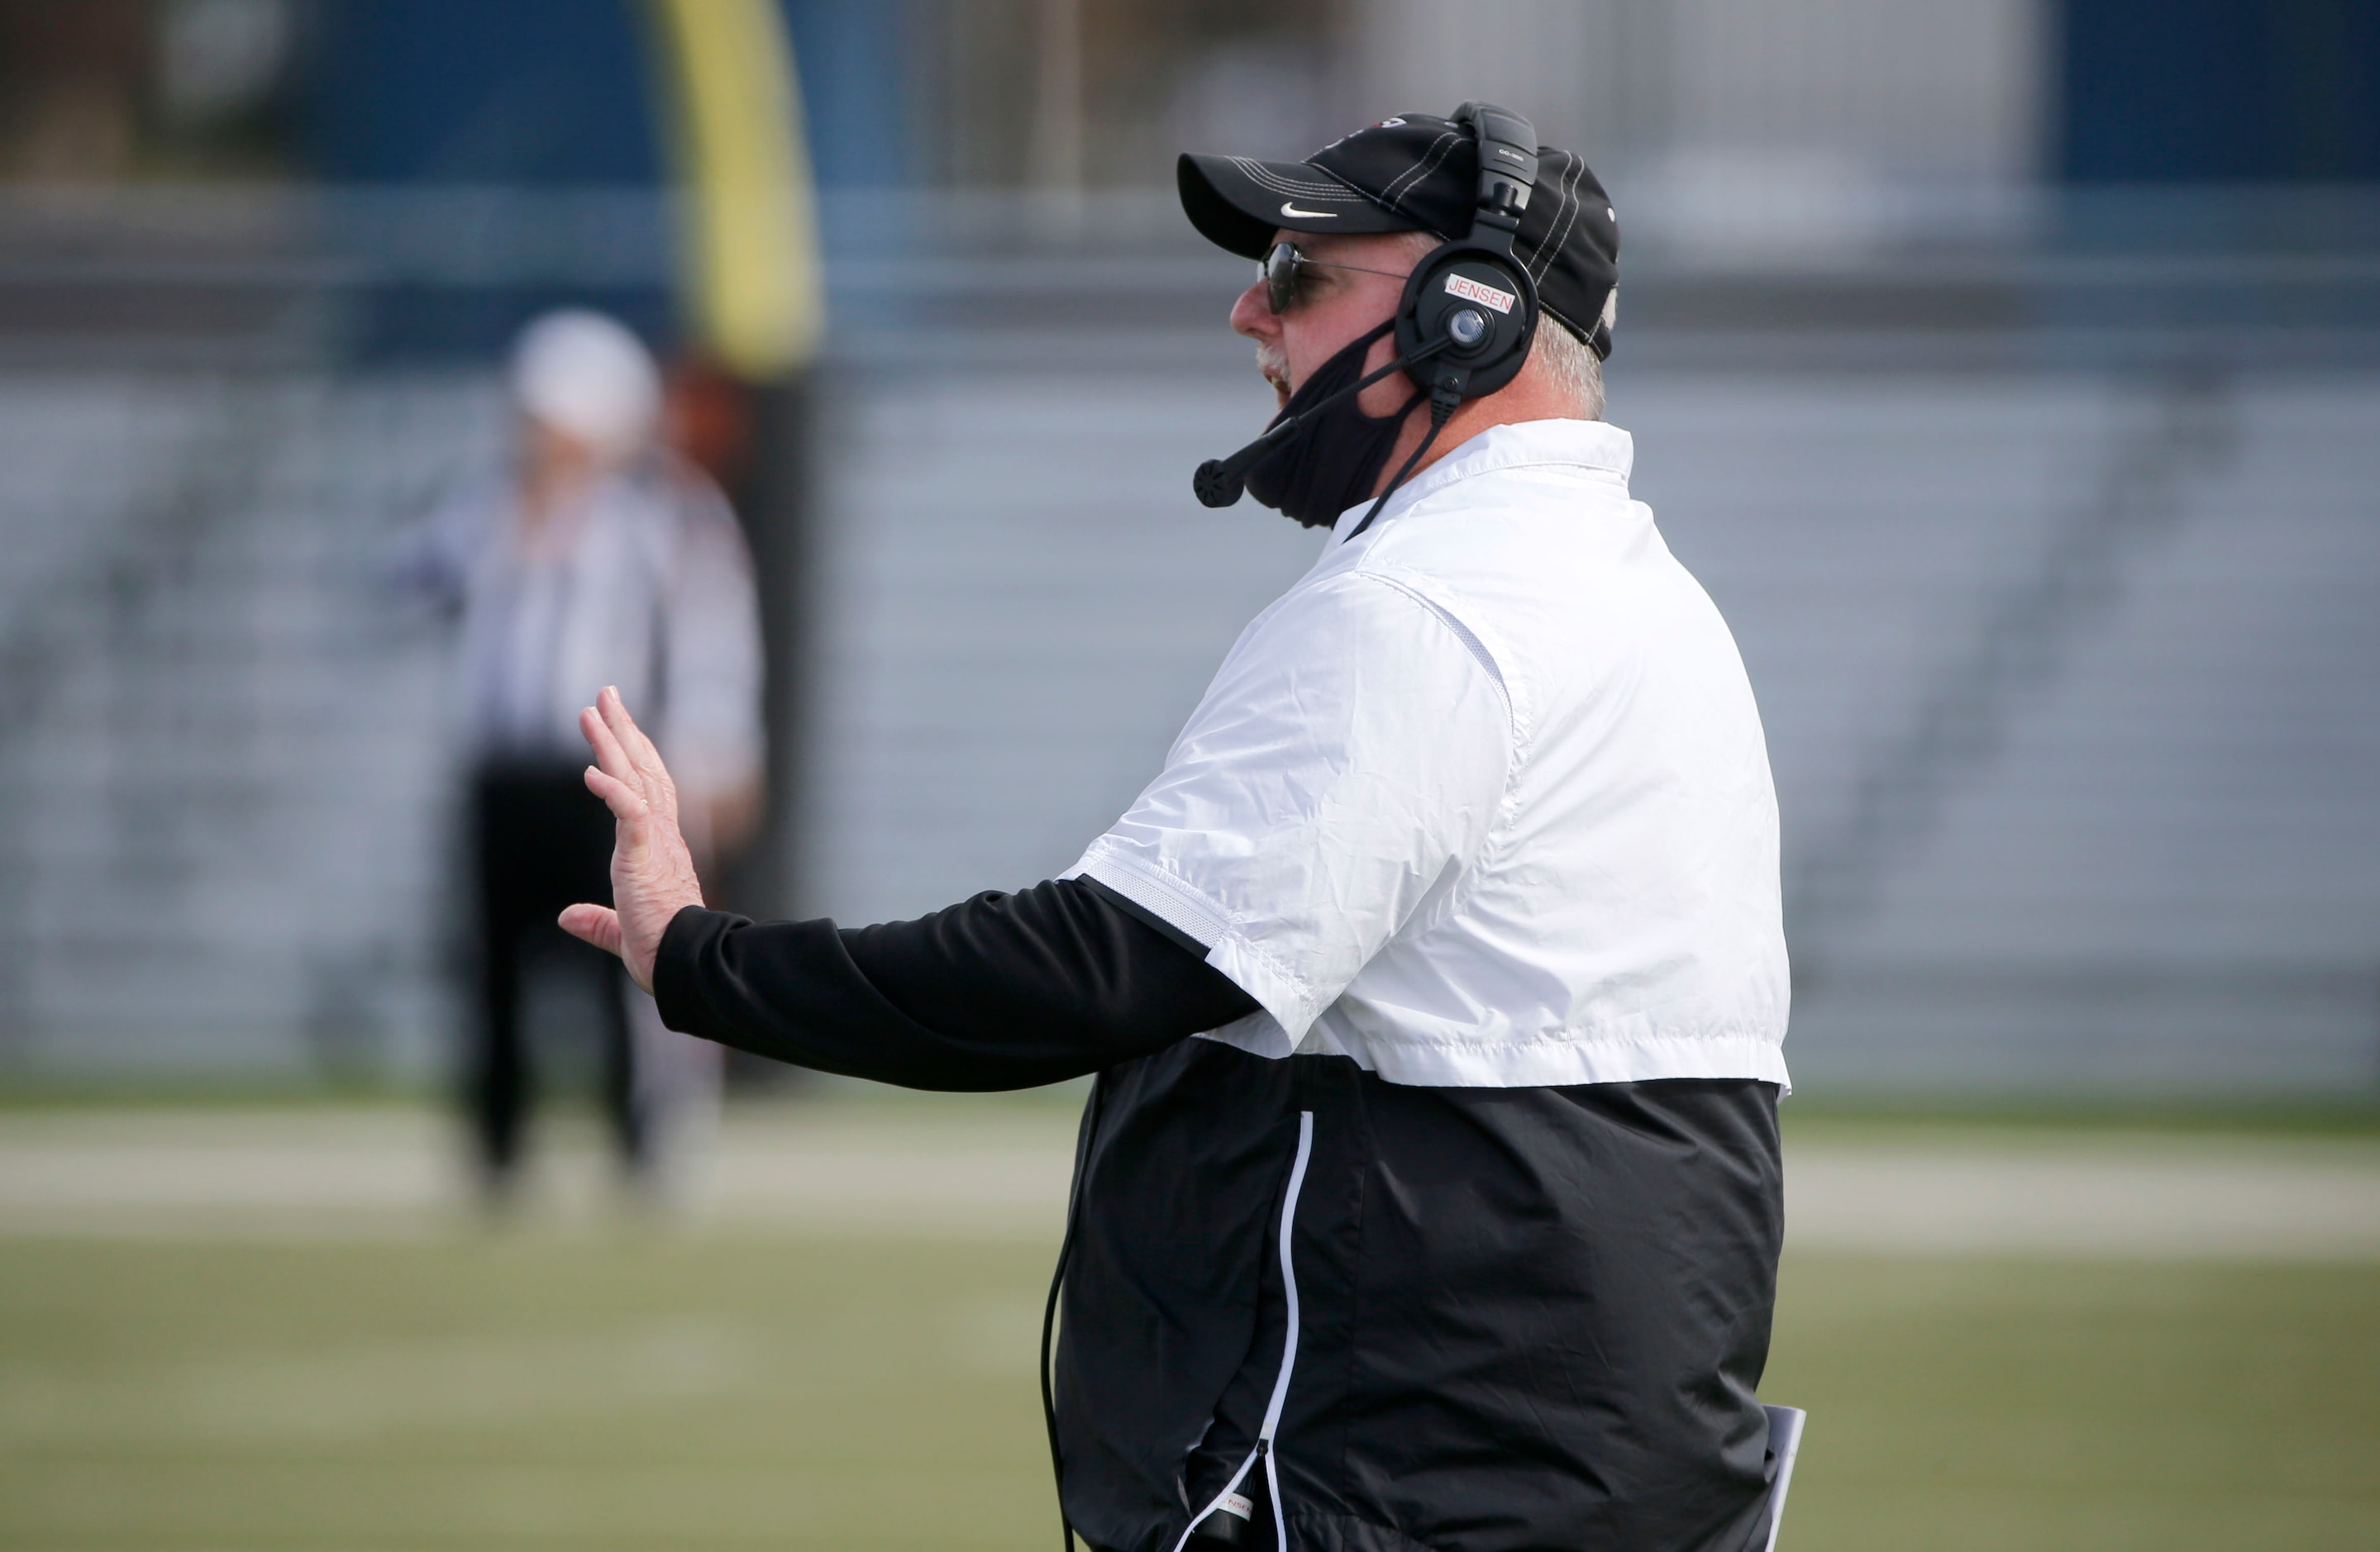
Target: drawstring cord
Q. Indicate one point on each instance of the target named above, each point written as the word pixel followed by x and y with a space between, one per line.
pixel 1050 1309
pixel 1441 410
pixel 1271 1426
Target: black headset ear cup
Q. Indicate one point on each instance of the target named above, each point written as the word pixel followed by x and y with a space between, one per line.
pixel 1481 298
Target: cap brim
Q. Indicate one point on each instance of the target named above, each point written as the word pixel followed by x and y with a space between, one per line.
pixel 1237 204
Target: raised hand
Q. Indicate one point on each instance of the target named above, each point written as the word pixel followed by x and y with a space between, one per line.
pixel 652 872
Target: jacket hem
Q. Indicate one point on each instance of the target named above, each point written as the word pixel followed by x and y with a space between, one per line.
pixel 1543 1063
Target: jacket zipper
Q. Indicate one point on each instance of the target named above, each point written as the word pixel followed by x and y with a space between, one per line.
pixel 1265 1434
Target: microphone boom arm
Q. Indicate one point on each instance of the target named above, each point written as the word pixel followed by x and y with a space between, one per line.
pixel 1221 481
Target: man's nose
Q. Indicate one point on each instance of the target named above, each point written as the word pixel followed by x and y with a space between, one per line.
pixel 1252 315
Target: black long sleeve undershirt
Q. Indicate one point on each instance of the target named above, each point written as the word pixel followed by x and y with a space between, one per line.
pixel 1001 991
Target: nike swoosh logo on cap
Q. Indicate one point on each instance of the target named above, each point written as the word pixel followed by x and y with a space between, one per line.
pixel 1288 209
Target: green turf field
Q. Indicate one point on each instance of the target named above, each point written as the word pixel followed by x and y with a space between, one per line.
pixel 806 1388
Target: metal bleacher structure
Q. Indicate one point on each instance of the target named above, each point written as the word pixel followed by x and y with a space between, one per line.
pixel 2065 643
pixel 223 848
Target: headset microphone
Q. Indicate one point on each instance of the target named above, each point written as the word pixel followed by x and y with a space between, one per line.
pixel 1220 481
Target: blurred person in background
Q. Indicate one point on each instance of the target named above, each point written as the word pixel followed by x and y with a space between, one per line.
pixel 604 559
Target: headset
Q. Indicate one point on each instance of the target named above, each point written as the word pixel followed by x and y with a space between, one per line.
pixel 1473 293
pixel 1466 318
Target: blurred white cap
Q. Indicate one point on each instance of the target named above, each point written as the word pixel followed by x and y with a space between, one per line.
pixel 586 375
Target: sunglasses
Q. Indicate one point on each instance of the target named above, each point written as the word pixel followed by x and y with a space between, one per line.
pixel 1283 273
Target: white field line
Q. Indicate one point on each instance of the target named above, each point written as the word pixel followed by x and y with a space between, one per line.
pixel 381 1174
pixel 2117 1197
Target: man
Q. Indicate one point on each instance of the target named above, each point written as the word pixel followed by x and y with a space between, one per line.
pixel 601 561
pixel 1429 1196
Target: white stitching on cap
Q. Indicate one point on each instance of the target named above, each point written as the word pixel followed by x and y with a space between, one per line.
pixel 1262 172
pixel 1568 216
pixel 1543 260
pixel 1296 187
pixel 1421 168
pixel 1264 176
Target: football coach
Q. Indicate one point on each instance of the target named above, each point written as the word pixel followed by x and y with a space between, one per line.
pixel 1428 1194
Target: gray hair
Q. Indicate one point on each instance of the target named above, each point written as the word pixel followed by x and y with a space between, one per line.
pixel 1574 367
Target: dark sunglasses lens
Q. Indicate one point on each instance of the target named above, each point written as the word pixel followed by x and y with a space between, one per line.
pixel 1281 277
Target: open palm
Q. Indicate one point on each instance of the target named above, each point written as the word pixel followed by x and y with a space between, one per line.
pixel 652 872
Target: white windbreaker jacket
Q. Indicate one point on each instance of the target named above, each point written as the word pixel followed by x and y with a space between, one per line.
pixel 1483 800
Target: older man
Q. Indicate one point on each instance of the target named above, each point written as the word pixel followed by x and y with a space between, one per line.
pixel 1429 1196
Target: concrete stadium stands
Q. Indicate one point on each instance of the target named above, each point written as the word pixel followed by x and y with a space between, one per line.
pixel 2068 675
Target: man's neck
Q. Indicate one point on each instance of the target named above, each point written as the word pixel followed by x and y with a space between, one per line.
pixel 1533 394
pixel 1508 406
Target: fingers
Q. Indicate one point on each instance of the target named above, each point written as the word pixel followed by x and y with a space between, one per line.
pixel 627 805
pixel 622 727
pixel 608 753
pixel 599 925
pixel 623 751
pixel 639 749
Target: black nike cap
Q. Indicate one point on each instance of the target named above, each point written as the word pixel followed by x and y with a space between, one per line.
pixel 1416 173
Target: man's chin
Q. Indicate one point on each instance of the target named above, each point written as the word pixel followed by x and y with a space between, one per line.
pixel 1274 370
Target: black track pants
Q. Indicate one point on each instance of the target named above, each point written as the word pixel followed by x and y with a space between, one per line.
pixel 541 841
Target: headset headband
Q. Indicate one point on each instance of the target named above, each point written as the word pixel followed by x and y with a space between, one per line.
pixel 1508 168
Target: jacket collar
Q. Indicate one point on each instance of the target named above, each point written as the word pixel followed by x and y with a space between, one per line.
pixel 1587 444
